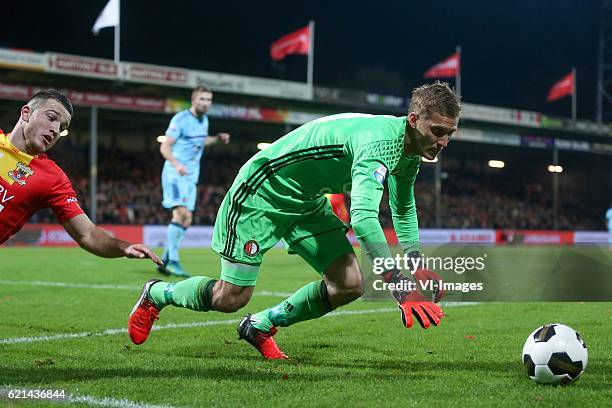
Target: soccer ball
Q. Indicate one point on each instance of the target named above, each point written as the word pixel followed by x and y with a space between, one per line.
pixel 555 354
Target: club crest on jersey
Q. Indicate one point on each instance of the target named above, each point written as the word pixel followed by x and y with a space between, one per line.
pixel 251 248
pixel 380 174
pixel 21 173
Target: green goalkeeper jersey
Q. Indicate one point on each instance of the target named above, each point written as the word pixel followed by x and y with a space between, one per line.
pixel 350 152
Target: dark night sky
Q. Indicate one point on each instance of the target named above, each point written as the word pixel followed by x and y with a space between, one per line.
pixel 512 50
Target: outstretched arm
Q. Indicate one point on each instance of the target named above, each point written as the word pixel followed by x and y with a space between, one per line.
pixel 365 199
pixel 101 243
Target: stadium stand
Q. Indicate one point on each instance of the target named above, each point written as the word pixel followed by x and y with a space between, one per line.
pixel 129 193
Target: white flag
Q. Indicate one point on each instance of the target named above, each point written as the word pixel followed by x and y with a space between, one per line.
pixel 108 18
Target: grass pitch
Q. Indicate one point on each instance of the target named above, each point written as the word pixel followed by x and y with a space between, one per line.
pixel 365 358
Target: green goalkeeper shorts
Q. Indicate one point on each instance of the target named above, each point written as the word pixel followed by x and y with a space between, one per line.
pixel 247 227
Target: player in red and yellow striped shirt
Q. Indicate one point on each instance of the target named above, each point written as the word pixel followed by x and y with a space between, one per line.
pixel 29 180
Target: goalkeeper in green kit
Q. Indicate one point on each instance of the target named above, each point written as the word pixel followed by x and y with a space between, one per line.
pixel 279 195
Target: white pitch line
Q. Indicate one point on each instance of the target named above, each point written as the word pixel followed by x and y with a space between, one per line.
pixel 112 402
pixel 119 287
pixel 272 294
pixel 68 285
pixel 107 332
pixel 84 399
pixel 124 403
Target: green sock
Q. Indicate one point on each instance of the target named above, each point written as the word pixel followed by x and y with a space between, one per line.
pixel 307 303
pixel 193 293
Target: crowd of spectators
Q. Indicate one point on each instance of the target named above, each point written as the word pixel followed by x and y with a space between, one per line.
pixel 129 192
pixel 467 203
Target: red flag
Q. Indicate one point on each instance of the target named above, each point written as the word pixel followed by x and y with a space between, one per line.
pixel 564 87
pixel 297 42
pixel 448 68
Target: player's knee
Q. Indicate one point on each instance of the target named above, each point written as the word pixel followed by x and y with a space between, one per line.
pixel 181 215
pixel 346 291
pixel 344 280
pixel 353 288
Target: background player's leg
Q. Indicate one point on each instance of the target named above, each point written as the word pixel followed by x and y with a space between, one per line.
pixel 180 195
pixel 181 219
pixel 174 235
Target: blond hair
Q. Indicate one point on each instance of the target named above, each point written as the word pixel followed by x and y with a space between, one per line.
pixel 437 97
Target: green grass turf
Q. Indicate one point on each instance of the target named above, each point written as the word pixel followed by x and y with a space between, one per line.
pixel 472 359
